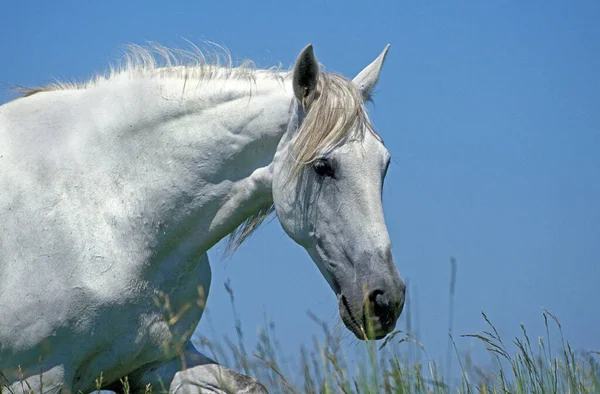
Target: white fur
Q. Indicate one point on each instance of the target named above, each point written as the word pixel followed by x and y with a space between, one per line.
pixel 113 192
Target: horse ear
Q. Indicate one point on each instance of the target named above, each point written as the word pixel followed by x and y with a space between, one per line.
pixel 365 80
pixel 306 74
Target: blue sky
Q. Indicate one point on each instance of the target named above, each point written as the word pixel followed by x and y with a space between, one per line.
pixel 489 109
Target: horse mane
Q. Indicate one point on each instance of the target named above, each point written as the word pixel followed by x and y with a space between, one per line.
pixel 334 111
pixel 158 61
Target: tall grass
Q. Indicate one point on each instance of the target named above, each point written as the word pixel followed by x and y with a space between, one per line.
pixel 520 365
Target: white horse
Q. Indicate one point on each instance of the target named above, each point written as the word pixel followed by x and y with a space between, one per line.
pixel 113 191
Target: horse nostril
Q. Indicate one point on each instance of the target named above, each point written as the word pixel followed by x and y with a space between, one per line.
pixel 379 305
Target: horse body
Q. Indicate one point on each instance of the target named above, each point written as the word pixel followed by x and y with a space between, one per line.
pixel 100 200
pixel 111 197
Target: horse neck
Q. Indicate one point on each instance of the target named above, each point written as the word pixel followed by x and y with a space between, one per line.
pixel 204 157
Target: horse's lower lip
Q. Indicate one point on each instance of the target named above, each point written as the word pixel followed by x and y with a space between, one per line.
pixel 349 321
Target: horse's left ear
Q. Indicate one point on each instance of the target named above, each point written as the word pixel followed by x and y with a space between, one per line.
pixel 365 80
pixel 305 74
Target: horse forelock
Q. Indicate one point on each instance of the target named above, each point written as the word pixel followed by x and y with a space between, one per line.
pixel 334 113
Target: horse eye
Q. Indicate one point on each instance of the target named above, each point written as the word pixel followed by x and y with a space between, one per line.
pixel 323 168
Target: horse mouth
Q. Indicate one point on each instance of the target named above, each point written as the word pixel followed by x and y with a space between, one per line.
pixel 358 326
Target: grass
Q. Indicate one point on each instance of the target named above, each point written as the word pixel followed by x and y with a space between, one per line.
pixel 520 366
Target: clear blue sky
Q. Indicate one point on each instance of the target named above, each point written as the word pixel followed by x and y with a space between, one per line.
pixel 491 111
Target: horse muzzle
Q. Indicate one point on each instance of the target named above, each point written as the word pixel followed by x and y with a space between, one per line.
pixel 373 315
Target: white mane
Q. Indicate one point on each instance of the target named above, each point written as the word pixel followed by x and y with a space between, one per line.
pixel 157 61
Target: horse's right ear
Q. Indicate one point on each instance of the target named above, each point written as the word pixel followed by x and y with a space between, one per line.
pixel 306 74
